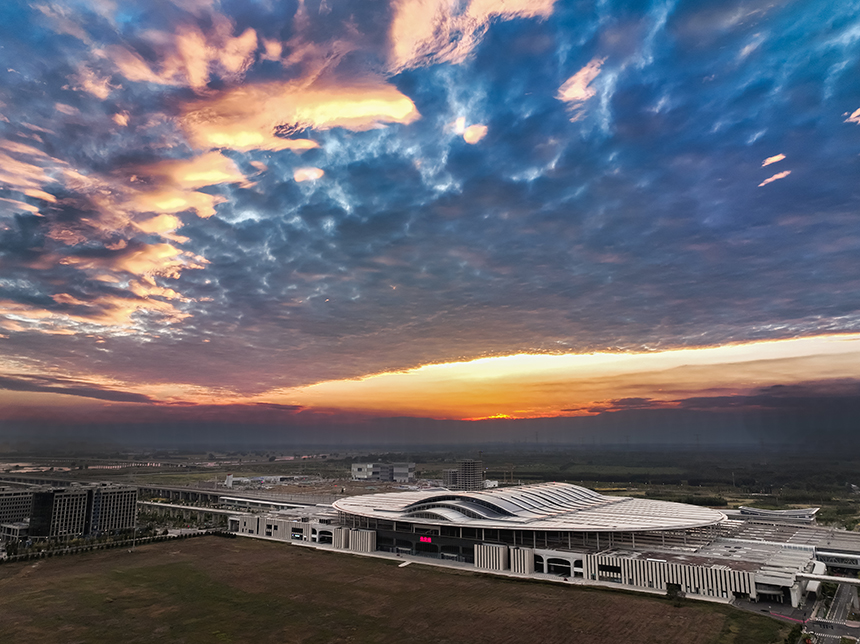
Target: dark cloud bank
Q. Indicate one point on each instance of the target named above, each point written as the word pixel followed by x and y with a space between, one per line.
pixel 815 416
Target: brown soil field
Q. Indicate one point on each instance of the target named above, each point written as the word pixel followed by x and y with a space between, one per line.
pixel 212 589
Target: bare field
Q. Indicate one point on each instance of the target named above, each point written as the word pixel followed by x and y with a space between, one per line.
pixel 242 590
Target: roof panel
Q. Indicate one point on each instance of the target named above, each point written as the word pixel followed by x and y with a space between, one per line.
pixel 545 506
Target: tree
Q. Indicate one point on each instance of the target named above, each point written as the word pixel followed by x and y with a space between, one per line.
pixel 674 592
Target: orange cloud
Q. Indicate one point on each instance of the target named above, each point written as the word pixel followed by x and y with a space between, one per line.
pixel 440 31
pixel 145 260
pixel 107 311
pixel 163 188
pixel 40 194
pixel 20 205
pixel 172 200
pixel 27 170
pixel 474 133
pixel 308 174
pixel 170 186
pixel 854 117
pixel 250 117
pixel 776 177
pixel 19 174
pixel 87 80
pixel 774 159
pixel 189 56
pixel 163 225
pixel 576 89
pixel 197 172
pixel 272 50
pixel 133 66
pixel 160 224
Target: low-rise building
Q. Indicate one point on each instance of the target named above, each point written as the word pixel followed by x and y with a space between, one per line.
pixel 15 531
pixel 399 472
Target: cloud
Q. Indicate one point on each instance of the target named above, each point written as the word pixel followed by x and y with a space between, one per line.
pixel 854 117
pixel 71 315
pixel 776 177
pixel 308 174
pixel 88 80
pixel 44 384
pixel 143 260
pixel 63 20
pixel 773 159
pixel 438 31
pixel 474 133
pixel 177 183
pixel 20 205
pixel 471 134
pixel 576 90
pixel 281 407
pixel 24 168
pixel 162 215
pixel 255 116
pixel 163 225
pixel 189 56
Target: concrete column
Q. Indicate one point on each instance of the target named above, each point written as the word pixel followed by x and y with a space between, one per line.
pixel 522 560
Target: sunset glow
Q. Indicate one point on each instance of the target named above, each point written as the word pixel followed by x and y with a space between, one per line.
pixel 341 218
pixel 528 386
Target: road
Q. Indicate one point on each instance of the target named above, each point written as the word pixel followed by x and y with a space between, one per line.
pixel 831 630
pixel 840 608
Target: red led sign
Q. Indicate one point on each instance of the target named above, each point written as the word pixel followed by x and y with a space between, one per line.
pixel 425 540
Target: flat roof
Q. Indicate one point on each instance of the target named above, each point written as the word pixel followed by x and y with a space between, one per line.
pixel 542 506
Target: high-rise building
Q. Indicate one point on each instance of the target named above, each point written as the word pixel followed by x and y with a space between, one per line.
pixel 469 475
pixel 59 512
pixel 83 510
pixel 15 504
pixel 114 507
pixel 450 478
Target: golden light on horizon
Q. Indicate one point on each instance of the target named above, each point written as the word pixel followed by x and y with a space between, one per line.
pixel 541 385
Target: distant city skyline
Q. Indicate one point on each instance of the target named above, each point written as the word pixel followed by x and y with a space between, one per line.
pixel 311 217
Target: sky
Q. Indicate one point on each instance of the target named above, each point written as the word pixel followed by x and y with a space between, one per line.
pixel 313 215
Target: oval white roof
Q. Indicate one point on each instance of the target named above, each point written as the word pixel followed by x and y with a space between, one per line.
pixel 543 506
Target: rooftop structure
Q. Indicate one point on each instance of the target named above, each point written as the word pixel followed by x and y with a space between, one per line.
pixel 544 506
pixel 794 515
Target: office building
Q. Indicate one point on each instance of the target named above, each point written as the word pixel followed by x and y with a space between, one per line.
pixel 399 472
pixel 80 510
pixel 15 504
